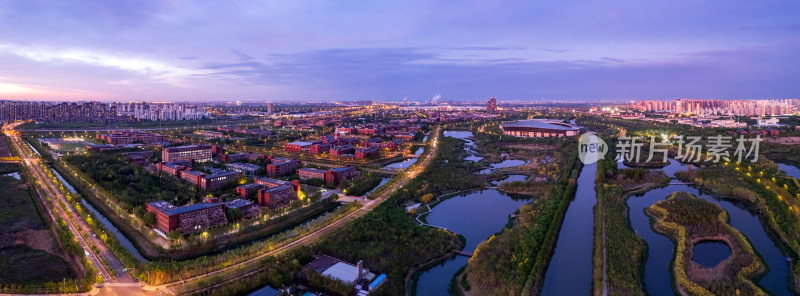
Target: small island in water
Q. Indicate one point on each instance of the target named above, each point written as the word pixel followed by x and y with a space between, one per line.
pixel 697 225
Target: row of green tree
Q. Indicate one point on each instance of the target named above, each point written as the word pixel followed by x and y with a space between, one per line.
pixel 514 261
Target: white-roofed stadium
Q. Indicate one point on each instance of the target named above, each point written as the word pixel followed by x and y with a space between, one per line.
pixel 540 128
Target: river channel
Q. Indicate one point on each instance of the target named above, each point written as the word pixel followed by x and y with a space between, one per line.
pixel 123 240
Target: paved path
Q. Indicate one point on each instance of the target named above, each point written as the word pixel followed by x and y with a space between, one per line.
pixel 316 235
pixel 61 207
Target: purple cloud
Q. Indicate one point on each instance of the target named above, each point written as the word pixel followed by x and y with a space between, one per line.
pixel 210 50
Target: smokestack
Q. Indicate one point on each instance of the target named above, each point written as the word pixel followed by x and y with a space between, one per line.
pixel 360 270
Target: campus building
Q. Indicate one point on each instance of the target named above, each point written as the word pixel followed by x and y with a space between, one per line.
pixel 362 153
pixel 248 190
pixel 341 174
pixel 269 182
pixel 282 166
pixel 244 168
pixel 199 153
pixel 138 157
pixel 174 168
pixel 335 176
pixel 276 196
pixel 216 181
pixel 355 275
pixel 310 173
pixel 209 181
pixel 298 146
pixel 187 219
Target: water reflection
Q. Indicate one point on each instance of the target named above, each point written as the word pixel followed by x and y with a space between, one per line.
pixel 657 275
pixel 476 215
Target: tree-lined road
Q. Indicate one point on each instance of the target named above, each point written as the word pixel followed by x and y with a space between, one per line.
pixel 123 284
pixel 316 235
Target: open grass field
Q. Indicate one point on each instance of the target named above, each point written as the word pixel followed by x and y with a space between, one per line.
pixel 17 211
pixel 23 264
pixel 5 151
pixel 23 240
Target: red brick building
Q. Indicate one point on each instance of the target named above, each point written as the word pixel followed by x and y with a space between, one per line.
pixel 173 168
pixel 216 150
pixel 216 181
pixel 310 173
pixel 341 150
pixel 282 166
pixel 199 153
pixel 339 175
pixel 319 148
pixel 297 146
pixel 363 153
pixel 276 196
pixel 335 176
pixel 233 157
pixel 187 219
pixel 248 190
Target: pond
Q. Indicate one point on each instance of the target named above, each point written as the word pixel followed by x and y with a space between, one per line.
pixel 402 165
pixel 383 181
pixel 468 146
pixel 710 253
pixel 508 163
pixel 657 276
pixel 509 178
pixel 487 211
pixel 14 175
pixel 790 170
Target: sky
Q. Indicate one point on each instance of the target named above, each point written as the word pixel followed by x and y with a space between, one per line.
pixel 390 50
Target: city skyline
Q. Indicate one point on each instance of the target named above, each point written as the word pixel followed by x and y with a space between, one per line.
pixel 173 51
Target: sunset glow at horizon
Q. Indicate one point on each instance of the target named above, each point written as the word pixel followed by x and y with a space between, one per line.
pixel 357 50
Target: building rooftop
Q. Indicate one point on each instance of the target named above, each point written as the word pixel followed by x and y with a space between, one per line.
pixel 272 181
pixel 342 271
pixel 222 174
pixel 300 143
pixel 542 123
pixel 188 147
pixel 312 170
pixel 194 173
pixel 191 208
pixel 161 205
pixel 249 186
pixel 265 291
pixel 243 165
pixel 278 188
pixel 377 281
pixel 238 203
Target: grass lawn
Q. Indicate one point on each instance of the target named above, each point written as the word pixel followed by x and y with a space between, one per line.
pixel 23 264
pixel 17 210
pixel 20 263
